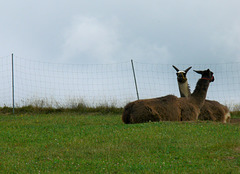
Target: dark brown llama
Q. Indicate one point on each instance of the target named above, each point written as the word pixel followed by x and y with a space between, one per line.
pixel 211 110
pixel 170 107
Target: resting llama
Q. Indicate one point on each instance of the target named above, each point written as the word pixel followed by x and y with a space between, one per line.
pixel 211 110
pixel 170 107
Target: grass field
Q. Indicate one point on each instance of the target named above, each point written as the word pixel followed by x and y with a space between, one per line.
pixel 101 143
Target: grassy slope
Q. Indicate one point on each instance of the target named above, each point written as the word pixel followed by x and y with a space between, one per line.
pixel 102 143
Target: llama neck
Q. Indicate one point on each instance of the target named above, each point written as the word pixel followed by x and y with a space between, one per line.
pixel 199 94
pixel 184 89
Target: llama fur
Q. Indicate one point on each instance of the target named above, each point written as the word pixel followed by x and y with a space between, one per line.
pixel 211 110
pixel 184 89
pixel 168 108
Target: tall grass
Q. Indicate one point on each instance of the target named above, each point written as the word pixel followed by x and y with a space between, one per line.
pixel 97 143
pixel 79 108
pixel 46 106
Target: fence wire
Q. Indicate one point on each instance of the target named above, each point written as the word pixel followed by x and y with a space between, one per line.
pixel 66 85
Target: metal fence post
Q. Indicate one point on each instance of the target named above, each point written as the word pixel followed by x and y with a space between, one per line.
pixel 135 80
pixel 13 104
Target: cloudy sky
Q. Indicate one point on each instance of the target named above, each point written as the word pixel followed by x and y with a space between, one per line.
pixel 104 31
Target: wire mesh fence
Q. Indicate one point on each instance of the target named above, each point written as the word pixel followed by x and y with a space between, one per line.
pixel 67 85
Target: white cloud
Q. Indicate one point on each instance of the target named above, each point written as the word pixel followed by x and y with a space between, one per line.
pixel 144 51
pixel 232 40
pixel 109 31
pixel 227 43
pixel 89 38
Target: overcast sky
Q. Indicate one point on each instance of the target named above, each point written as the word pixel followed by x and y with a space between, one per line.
pixel 109 31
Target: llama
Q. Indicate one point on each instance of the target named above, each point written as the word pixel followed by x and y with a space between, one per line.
pixel 211 110
pixel 183 86
pixel 170 107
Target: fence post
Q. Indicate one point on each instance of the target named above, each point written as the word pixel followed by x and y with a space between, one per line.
pixel 135 80
pixel 13 105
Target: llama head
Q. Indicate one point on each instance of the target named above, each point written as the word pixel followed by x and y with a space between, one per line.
pixel 206 74
pixel 181 75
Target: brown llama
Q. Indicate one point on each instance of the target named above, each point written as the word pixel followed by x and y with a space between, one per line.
pixel 170 107
pixel 211 110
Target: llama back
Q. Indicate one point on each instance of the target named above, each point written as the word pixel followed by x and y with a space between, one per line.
pixel 167 108
pixel 156 109
pixel 213 110
pixel 226 113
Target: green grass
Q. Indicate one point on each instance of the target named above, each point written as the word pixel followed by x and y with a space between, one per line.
pixel 101 143
pixel 235 114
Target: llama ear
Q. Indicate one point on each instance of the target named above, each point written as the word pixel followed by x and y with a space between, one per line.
pixel 199 72
pixel 188 69
pixel 175 68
